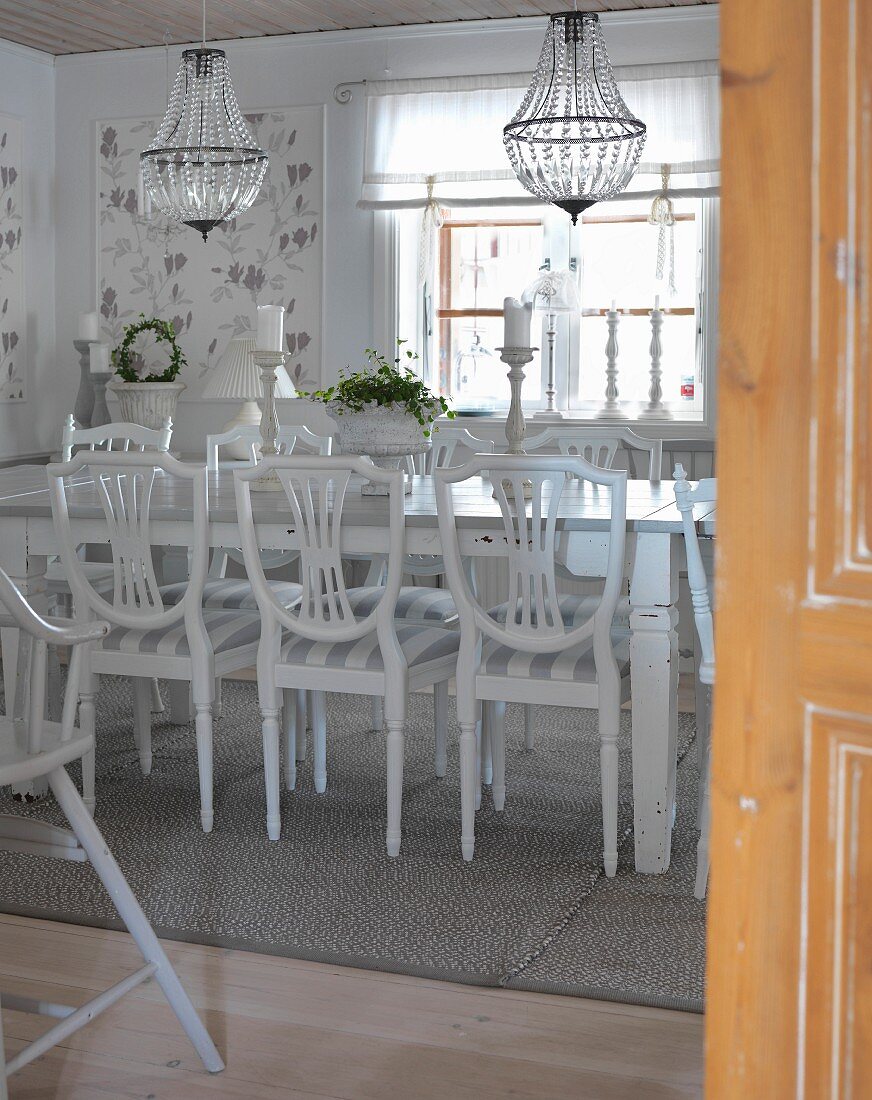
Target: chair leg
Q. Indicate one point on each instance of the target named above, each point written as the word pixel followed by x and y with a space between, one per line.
pixel 218 704
pixel 319 740
pixel 204 763
pixel 180 702
pixel 440 709
pixel 497 742
pixel 609 724
pixel 289 736
pixel 529 726
pixel 702 705
pixel 468 787
pixel 87 725
pixel 378 713
pixel 702 848
pixel 142 722
pixel 395 753
pixel 302 724
pixel 272 779
pixel 130 912
pixel 53 680
pixel 487 763
pixel 479 738
pixel 157 705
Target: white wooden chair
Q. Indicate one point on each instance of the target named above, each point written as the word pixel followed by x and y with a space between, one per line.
pixel 118 436
pixel 598 445
pixel 700 593
pixel 330 648
pixel 31 748
pixel 534 655
pixel 179 641
pixel 290 438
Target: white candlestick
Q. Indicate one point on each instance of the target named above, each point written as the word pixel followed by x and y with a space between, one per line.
pixel 99 361
pixel 270 328
pixel 89 327
pixel 516 323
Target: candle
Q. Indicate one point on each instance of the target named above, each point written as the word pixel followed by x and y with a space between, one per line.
pixel 614 303
pixel 516 323
pixel 143 198
pixel 89 326
pixel 99 354
pixel 656 301
pixel 270 328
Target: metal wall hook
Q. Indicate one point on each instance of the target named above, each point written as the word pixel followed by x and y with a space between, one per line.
pixel 342 92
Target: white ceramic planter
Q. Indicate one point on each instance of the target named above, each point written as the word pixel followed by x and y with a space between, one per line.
pixel 147 403
pixel 382 433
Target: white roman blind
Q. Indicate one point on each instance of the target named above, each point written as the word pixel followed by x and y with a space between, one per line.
pixel 441 140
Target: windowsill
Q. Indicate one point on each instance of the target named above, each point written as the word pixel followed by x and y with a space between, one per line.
pixel 681 425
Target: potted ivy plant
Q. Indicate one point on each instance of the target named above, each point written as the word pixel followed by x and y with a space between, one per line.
pixel 384 411
pixel 147 392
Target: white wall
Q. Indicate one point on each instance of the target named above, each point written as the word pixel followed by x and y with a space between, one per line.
pixel 27 90
pixel 288 71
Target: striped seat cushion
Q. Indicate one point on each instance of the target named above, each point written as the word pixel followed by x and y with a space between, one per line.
pixel 423 605
pixel 227 630
pixel 419 643
pixel 574 664
pixel 232 595
pixel 574 611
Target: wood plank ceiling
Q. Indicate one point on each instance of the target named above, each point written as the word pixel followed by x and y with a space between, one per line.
pixel 82 26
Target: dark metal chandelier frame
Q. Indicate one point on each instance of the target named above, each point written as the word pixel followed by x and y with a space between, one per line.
pixel 573 141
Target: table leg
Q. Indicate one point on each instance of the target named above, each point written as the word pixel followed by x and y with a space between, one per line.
pixel 27 571
pixel 174 567
pixel 654 688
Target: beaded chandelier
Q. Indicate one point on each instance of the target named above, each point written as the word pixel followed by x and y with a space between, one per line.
pixel 203 166
pixel 573 140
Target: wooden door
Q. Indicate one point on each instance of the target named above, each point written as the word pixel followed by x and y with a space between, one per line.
pixel 790 970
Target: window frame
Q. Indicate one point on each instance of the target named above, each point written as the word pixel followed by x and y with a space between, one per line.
pixel 386 326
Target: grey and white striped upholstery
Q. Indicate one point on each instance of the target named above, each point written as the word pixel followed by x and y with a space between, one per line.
pixel 232 595
pixel 419 643
pixel 227 630
pixel 414 604
pixel 575 665
pixel 574 611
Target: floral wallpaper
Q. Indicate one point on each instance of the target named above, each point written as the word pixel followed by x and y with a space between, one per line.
pixel 13 381
pixel 270 255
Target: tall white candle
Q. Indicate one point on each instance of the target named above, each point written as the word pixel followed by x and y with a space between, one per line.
pixel 270 328
pixel 516 323
pixel 656 301
pixel 99 355
pixel 89 326
pixel 614 303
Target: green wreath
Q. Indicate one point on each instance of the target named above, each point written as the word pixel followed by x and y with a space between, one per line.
pixel 164 333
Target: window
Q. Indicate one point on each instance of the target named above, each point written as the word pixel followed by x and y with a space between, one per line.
pixel 485 254
pixel 457 234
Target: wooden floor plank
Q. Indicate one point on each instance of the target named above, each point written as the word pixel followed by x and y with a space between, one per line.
pixel 296 1030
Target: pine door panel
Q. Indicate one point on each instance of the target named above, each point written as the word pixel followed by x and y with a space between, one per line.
pixel 790 970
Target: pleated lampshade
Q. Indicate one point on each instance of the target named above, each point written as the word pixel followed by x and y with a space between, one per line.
pixel 237 375
pixel 237 378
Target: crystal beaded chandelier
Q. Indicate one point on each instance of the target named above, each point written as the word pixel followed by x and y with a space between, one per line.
pixel 573 140
pixel 203 166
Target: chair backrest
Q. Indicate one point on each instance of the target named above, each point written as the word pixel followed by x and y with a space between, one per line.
pixel 706 492
pixel 445 441
pixel 290 438
pixel 598 445
pixel 533 621
pixel 697 456
pixel 124 484
pixel 114 437
pixel 316 490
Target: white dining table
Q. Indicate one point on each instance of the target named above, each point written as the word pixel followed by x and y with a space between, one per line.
pixel 654 554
